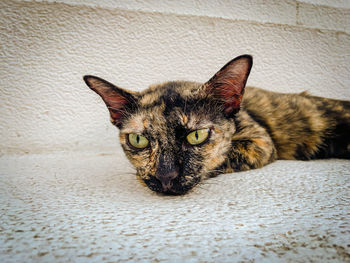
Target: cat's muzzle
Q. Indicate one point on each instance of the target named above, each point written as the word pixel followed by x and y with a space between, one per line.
pixel 166 179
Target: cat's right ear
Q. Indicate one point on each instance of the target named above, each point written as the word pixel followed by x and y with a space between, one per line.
pixel 117 100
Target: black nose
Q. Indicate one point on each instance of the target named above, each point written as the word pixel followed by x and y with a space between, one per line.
pixel 167 170
pixel 167 179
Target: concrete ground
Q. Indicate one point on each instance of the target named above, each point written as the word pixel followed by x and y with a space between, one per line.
pixel 86 207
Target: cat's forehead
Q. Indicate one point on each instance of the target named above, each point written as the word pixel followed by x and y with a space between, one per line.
pixel 166 106
pixel 154 120
pixel 168 91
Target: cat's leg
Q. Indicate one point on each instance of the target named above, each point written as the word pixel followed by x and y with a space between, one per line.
pixel 252 146
pixel 251 153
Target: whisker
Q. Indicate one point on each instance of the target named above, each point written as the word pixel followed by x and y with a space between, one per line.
pixel 200 187
pixel 127 173
pixel 212 179
pixel 210 183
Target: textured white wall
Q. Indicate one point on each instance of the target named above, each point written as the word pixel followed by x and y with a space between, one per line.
pixel 322 14
pixel 46 48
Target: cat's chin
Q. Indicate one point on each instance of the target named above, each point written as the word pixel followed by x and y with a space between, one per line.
pixel 176 189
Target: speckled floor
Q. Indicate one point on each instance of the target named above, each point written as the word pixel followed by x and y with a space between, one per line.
pixel 91 208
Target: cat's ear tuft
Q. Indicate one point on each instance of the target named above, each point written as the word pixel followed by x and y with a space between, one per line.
pixel 228 84
pixel 117 100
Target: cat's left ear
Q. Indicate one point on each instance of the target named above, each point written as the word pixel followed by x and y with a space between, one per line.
pixel 118 101
pixel 228 84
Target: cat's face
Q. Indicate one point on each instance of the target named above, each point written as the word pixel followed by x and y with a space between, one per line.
pixel 176 137
pixel 177 133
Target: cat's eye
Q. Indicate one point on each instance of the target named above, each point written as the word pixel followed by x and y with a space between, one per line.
pixel 138 141
pixel 198 136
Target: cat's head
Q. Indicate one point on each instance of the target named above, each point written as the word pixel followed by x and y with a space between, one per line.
pixel 177 133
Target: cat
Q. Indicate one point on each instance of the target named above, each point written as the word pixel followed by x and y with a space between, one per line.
pixel 178 133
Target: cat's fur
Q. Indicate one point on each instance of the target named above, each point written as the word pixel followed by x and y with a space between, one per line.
pixel 245 133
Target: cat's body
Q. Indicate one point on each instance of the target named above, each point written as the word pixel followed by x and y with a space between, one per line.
pixel 178 133
pixel 301 126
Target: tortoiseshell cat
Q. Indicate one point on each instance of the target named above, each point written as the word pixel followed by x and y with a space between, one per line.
pixel 178 133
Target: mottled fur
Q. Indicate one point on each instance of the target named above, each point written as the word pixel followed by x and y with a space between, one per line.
pixel 246 132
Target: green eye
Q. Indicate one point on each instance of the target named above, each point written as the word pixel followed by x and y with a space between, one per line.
pixel 198 136
pixel 138 141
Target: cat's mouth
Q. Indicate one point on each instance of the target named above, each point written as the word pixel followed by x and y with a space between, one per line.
pixel 178 186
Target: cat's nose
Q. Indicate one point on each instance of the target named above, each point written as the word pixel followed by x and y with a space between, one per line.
pixel 166 185
pixel 166 179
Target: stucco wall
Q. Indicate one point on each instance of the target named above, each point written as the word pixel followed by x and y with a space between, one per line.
pixel 47 46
